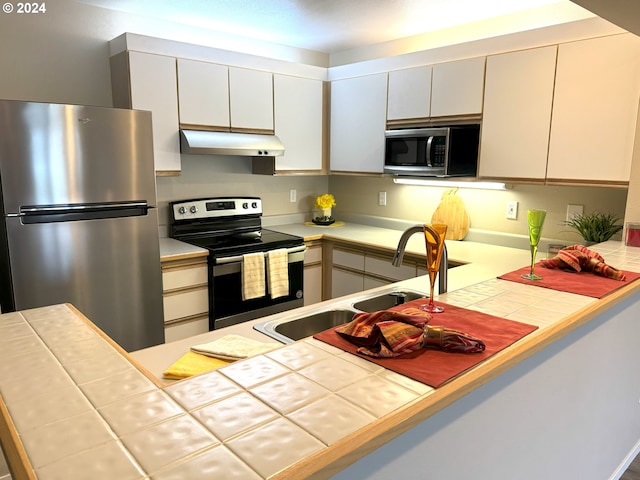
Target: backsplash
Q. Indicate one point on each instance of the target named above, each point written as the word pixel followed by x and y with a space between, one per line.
pixel 357 196
pixel 486 208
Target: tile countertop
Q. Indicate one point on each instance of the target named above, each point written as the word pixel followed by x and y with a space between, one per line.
pixel 74 405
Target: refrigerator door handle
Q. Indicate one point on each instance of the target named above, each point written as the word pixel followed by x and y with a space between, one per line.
pixel 78 208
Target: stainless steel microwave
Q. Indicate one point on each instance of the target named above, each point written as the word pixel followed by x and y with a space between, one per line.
pixel 449 151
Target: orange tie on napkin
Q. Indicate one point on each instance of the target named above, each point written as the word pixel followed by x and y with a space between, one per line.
pixel 580 258
pixel 389 333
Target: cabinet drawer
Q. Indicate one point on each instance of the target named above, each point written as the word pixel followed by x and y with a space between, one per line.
pixel 346 258
pixel 186 329
pixel 184 277
pixel 186 304
pixel 313 254
pixel 383 267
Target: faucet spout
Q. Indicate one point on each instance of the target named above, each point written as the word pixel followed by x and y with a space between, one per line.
pixel 402 245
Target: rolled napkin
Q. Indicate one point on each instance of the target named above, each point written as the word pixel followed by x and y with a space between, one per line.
pixel 579 258
pixel 449 340
pixel 234 347
pixel 389 333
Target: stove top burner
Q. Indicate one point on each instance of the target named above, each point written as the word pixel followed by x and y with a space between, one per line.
pixel 247 242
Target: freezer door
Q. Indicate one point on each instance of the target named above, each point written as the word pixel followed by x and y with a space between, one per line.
pixel 108 268
pixel 53 154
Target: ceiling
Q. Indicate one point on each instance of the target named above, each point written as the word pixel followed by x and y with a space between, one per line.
pixel 327 26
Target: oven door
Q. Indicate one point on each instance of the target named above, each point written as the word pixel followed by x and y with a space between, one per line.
pixel 226 306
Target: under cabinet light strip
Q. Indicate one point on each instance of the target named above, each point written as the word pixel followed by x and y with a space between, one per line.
pixel 451 183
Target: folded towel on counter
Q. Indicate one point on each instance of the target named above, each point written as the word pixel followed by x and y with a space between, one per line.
pixel 278 272
pixel 253 285
pixel 192 363
pixel 390 333
pixel 234 347
pixel 579 258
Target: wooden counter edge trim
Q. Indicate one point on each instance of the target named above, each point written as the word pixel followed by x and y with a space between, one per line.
pixel 183 256
pixel 20 467
pixel 156 381
pixel 352 448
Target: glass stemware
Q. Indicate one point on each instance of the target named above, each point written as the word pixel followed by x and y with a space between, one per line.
pixel 434 235
pixel 535 219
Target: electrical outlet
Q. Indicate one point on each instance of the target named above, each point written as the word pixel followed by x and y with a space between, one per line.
pixel 512 210
pixel 292 195
pixel 574 210
pixel 382 198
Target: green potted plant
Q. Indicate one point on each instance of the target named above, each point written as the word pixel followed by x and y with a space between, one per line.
pixel 595 227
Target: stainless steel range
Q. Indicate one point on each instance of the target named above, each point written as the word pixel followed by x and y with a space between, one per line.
pixel 231 229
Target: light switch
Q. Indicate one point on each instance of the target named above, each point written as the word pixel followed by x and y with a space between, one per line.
pixel 382 198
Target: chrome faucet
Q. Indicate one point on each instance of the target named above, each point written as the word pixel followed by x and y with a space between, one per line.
pixel 402 244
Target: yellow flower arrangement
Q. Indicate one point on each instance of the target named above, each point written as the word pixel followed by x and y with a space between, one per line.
pixel 325 200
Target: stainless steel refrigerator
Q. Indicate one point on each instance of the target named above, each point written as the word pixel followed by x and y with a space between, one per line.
pixel 79 218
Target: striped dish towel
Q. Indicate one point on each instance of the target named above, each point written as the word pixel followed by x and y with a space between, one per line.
pixel 253 285
pixel 278 272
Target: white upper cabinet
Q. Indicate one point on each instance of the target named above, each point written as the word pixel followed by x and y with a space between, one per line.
pixel 457 87
pixel 409 94
pixel 358 122
pixel 152 86
pixel 595 110
pixel 298 122
pixel 203 93
pixel 517 114
pixel 251 99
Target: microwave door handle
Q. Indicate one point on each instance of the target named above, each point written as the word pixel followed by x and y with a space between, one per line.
pixel 428 151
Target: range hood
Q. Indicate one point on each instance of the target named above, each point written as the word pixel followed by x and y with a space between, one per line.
pixel 230 143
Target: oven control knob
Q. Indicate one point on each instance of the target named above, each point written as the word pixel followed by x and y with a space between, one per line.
pixel 299 294
pixel 193 209
pixel 254 205
pixel 182 210
pixel 245 205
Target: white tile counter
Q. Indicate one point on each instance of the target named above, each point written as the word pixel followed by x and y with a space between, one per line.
pixel 76 406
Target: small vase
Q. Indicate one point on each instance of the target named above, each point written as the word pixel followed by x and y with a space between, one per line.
pixel 323 216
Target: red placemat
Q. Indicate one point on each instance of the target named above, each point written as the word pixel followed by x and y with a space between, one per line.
pixel 434 367
pixel 582 283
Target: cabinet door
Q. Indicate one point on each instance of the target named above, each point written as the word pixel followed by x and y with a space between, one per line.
pixel 298 122
pixel 251 99
pixel 457 87
pixel 358 121
pixel 153 87
pixel 203 93
pixel 312 284
pixel 345 282
pixel 517 114
pixel 409 94
pixel 594 109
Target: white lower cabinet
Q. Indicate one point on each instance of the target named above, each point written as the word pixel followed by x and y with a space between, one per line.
pixel 356 269
pixel 313 273
pixel 185 298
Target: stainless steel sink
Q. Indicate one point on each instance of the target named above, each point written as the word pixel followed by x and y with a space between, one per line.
pixel 386 300
pixel 289 330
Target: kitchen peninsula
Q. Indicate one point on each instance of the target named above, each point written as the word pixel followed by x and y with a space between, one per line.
pixel 560 403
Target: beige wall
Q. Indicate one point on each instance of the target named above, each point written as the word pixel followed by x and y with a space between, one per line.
pixel 486 208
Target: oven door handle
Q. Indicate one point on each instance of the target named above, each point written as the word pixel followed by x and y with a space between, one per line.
pixel 238 258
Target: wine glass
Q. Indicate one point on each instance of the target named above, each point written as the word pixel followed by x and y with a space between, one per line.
pixel 535 219
pixel 434 238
